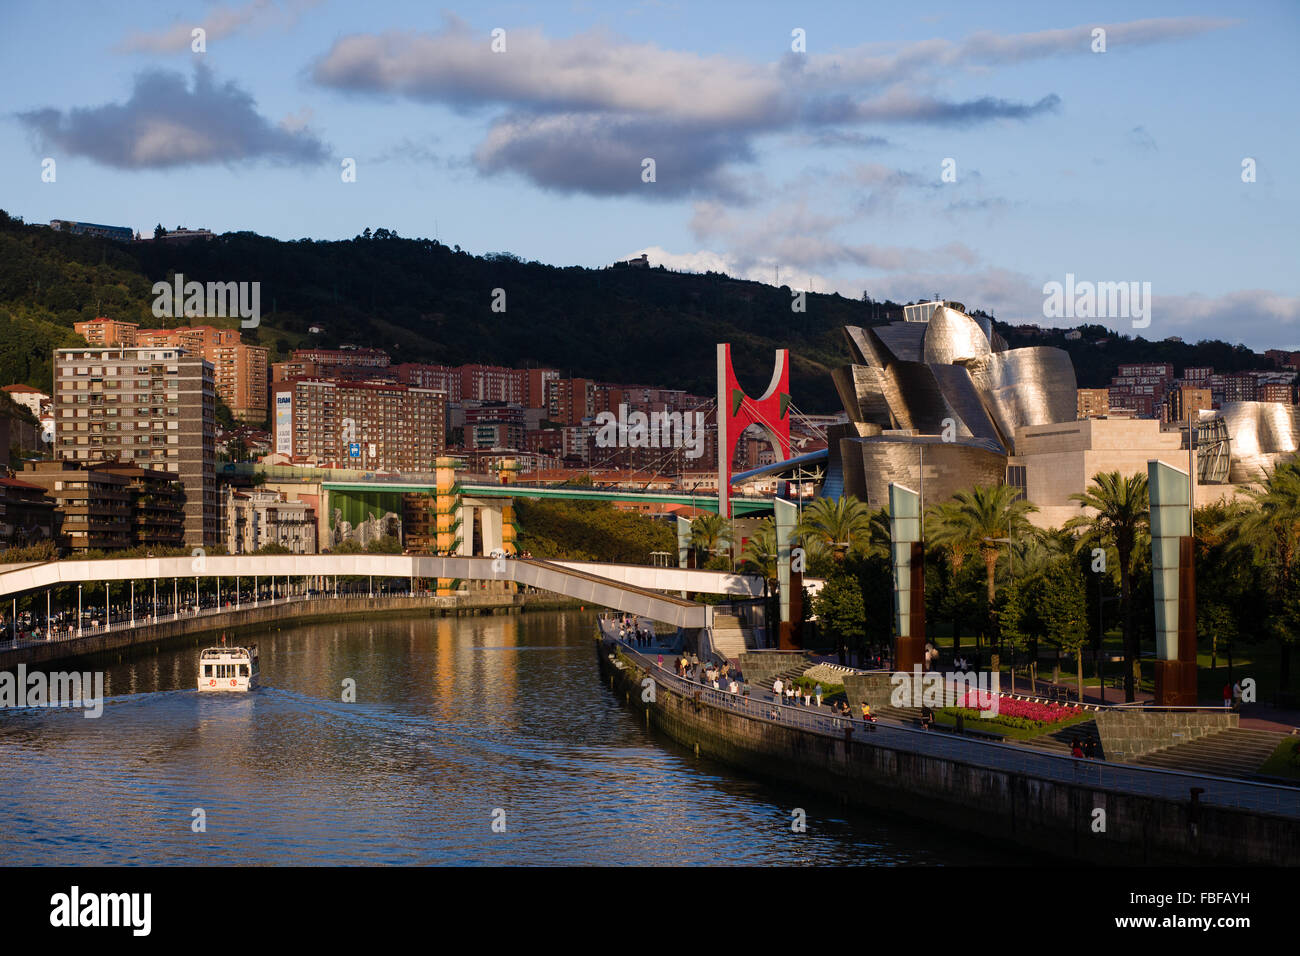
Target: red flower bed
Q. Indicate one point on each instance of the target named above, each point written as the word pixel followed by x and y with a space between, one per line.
pixel 1027 709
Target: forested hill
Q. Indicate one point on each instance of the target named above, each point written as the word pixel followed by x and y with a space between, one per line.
pixel 427 302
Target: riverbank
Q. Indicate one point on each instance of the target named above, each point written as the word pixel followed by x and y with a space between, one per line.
pixel 1085 811
pixel 251 619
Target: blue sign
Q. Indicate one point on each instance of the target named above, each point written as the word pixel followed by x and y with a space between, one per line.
pixel 354 450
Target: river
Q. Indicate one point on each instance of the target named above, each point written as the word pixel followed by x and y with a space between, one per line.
pixel 476 740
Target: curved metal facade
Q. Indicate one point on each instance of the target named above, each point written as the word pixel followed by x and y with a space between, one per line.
pixel 1262 434
pixel 953 377
pixel 1030 386
pixel 871 464
pixel 954 338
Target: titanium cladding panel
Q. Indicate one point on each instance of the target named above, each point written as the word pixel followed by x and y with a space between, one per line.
pixel 1260 434
pixel 954 338
pixel 871 464
pixel 1029 386
pixel 902 340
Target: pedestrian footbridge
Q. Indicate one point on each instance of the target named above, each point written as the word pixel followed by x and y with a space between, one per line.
pixel 631 588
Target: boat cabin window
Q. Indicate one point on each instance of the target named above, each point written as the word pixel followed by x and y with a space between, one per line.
pixel 207 670
pixel 243 670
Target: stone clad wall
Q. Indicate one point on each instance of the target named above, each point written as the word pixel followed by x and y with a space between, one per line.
pixel 761 667
pixel 1129 734
pixel 875 689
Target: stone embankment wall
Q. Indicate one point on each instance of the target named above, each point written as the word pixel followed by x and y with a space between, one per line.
pixel 969 800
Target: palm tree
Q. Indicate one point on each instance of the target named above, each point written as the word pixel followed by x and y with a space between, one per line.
pixel 710 532
pixel 1269 524
pixel 981 520
pixel 759 552
pixel 1121 514
pixel 841 525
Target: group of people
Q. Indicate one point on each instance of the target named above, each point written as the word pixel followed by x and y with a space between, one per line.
pixel 1086 748
pixel 794 695
pixel 630 630
pixel 710 675
pixel 1232 695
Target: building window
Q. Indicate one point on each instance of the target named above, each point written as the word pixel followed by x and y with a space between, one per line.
pixel 1016 479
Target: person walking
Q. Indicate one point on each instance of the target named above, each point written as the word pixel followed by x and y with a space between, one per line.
pixel 777 687
pixel 817 692
pixel 1075 749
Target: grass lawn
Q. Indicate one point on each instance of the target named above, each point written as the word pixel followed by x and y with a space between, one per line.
pixel 1285 760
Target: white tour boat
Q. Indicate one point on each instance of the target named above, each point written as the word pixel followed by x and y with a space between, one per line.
pixel 228 668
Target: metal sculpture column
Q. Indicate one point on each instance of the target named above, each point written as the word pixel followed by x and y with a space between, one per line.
pixel 789 576
pixel 683 542
pixel 1174 571
pixel 909 577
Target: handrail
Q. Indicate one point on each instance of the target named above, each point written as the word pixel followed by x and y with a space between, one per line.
pixel 1284 799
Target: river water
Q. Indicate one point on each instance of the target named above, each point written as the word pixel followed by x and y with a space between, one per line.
pixel 478 740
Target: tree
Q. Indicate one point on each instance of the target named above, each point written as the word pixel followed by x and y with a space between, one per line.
pixel 159 231
pixel 1268 528
pixel 1019 617
pixel 1063 609
pixel 841 525
pixel 709 533
pixel 759 552
pixel 974 521
pixel 840 612
pixel 388 544
pixel 1121 511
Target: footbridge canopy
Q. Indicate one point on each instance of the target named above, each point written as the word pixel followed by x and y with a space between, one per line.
pixel 631 588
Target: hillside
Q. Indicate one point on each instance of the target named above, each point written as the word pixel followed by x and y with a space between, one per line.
pixel 427 302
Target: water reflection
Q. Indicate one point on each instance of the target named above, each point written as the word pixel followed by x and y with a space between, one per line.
pixel 454 718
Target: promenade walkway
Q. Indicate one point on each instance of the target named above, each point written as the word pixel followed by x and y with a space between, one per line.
pixel 758 704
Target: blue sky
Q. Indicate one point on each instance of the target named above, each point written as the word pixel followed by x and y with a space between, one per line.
pixel 823 164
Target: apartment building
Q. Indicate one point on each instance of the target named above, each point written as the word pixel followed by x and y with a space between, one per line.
pixel 1187 402
pixel 92 508
pixel 440 378
pixel 1092 402
pixel 348 355
pixel 372 425
pixel 493 383
pixel 150 407
pixel 256 518
pixel 570 400
pixel 26 514
pixel 104 331
pixel 239 370
pixel 157 504
pixel 1141 387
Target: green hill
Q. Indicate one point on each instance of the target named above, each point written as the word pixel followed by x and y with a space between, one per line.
pixel 427 302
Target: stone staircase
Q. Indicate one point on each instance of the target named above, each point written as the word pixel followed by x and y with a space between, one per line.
pixel 1236 752
pixel 1060 741
pixel 728 636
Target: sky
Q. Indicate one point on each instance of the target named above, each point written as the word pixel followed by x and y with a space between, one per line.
pixel 980 151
